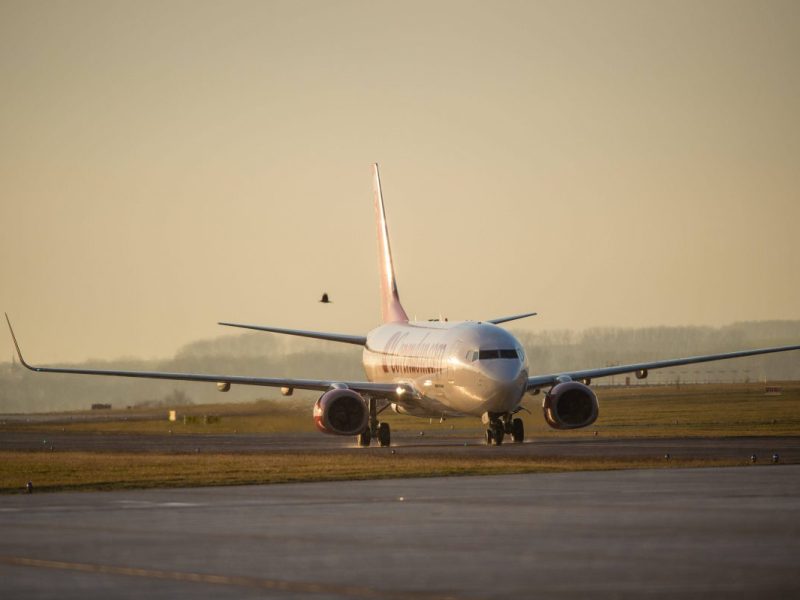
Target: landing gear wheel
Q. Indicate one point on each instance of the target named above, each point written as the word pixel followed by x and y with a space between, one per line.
pixel 363 438
pixel 498 434
pixel 517 431
pixel 489 437
pixel 384 435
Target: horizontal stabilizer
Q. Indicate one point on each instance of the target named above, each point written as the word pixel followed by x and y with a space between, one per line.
pixel 511 318
pixel 359 340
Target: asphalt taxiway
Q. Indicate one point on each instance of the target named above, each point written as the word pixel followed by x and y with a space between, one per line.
pixel 715 533
pixel 437 444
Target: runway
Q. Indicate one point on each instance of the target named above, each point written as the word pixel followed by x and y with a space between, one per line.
pixel 715 533
pixel 439 444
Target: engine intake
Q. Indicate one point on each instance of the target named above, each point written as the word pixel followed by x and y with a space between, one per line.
pixel 570 405
pixel 341 412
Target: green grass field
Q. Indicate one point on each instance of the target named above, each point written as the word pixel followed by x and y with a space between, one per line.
pixel 657 411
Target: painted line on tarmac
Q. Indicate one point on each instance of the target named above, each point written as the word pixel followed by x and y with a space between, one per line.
pixel 150 504
pixel 345 591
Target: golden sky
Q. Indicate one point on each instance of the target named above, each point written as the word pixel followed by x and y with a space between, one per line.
pixel 165 165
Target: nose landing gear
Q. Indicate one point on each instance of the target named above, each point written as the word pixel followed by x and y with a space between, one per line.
pixel 500 425
pixel 495 434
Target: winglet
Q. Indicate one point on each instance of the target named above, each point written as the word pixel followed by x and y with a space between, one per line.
pixel 391 309
pixel 16 345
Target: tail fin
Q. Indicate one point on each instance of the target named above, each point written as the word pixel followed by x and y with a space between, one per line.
pixel 391 308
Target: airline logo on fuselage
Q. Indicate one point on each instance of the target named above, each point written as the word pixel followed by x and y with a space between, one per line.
pixel 402 357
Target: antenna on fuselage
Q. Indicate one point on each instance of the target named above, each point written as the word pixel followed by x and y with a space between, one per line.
pixel 391 309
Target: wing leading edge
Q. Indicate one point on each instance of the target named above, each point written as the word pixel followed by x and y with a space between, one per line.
pixel 545 380
pixel 377 390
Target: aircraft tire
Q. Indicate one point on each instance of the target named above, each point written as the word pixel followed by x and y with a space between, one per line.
pixel 489 437
pixel 517 431
pixel 498 435
pixel 384 435
pixel 363 438
pixel 498 432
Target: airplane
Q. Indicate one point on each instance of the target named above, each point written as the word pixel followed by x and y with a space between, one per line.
pixel 434 368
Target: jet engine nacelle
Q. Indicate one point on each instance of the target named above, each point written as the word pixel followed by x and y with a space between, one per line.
pixel 341 412
pixel 570 405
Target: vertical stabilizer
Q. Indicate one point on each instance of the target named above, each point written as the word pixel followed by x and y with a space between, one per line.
pixel 391 309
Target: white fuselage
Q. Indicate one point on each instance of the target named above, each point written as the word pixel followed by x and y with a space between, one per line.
pixel 459 368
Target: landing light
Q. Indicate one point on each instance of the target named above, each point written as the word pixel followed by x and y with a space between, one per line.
pixel 400 390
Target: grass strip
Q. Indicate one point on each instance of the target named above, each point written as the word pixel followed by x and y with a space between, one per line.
pixel 99 471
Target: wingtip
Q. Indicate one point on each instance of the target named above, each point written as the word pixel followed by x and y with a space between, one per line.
pixel 16 344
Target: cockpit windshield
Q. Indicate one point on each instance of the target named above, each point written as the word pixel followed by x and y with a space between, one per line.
pixel 492 354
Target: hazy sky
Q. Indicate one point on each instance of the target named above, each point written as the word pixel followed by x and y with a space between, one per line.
pixel 165 165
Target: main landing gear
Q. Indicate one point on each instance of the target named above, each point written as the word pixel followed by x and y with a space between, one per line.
pixel 375 430
pixel 500 425
pixel 382 434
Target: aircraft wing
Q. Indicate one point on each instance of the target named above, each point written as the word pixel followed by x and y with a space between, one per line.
pixel 376 390
pixel 545 380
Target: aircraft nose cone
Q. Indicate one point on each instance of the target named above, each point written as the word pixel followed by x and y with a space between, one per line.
pixel 507 382
pixel 503 371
